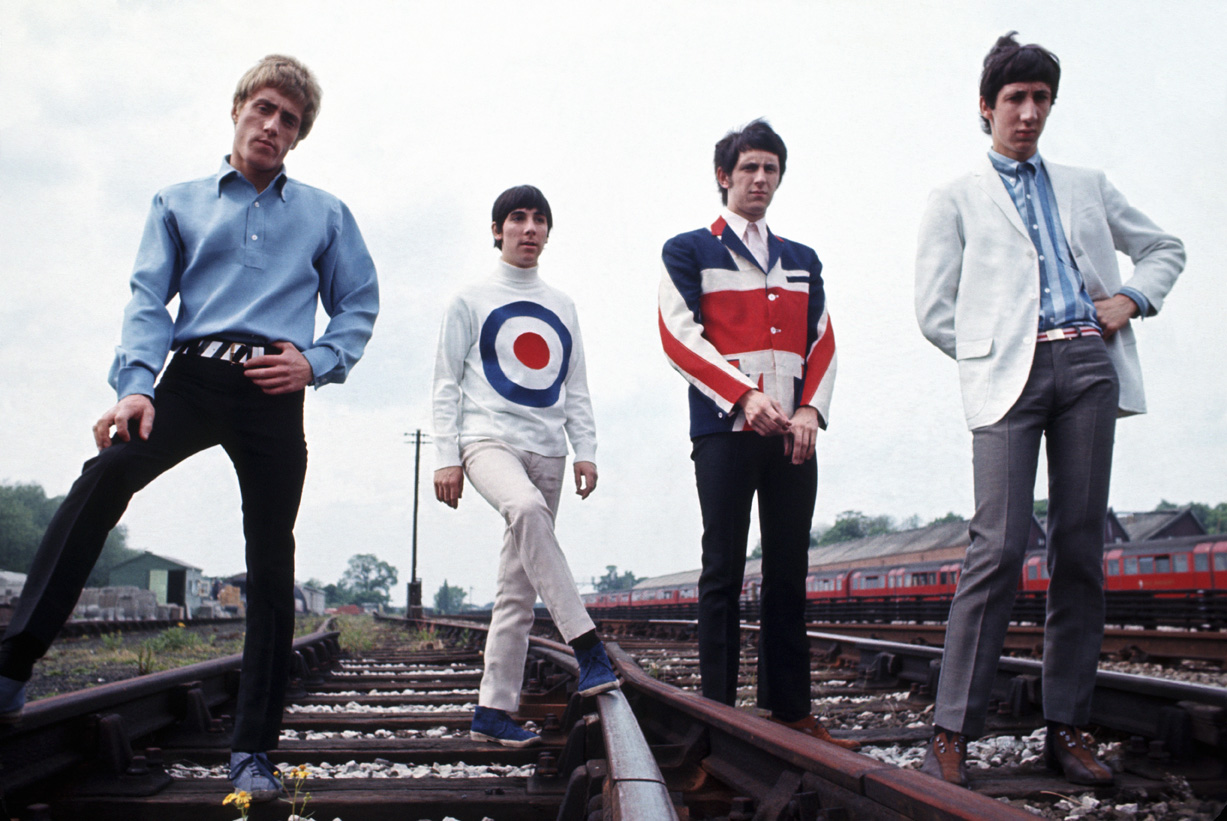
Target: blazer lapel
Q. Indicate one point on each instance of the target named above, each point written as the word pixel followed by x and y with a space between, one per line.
pixel 990 182
pixel 774 246
pixel 733 243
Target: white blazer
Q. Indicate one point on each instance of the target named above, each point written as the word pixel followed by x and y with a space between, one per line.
pixel 978 280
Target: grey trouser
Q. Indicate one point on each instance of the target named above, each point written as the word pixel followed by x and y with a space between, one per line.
pixel 524 487
pixel 1070 399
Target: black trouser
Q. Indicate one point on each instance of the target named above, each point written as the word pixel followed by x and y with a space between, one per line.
pixel 199 403
pixel 730 468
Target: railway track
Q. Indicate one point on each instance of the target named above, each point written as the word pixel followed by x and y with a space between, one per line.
pixel 880 693
pixel 385 736
pixel 1162 646
pixel 379 737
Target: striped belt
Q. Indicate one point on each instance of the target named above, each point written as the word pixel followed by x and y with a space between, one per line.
pixel 236 352
pixel 1057 334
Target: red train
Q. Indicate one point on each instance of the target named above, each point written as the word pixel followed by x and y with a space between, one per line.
pixel 1181 580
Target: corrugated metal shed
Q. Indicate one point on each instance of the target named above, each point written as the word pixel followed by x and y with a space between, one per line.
pixel 937 542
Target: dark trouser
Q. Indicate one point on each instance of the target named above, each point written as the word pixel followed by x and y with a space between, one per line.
pixel 730 468
pixel 199 403
pixel 1070 399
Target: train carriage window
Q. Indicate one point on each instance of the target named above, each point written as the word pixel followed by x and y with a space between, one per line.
pixel 1201 563
pixel 1220 561
pixel 1033 572
pixel 1182 562
pixel 1148 564
pixel 1131 566
pixel 1114 567
pixel 1163 564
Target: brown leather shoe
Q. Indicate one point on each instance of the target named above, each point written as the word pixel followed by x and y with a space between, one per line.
pixel 1066 749
pixel 810 725
pixel 946 757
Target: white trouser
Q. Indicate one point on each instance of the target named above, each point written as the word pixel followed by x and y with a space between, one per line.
pixel 524 487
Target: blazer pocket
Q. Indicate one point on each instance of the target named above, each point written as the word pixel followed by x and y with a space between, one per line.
pixel 973 348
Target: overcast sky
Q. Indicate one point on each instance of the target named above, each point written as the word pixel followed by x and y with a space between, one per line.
pixel 431 109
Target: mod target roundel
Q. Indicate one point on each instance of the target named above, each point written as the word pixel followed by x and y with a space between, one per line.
pixel 525 352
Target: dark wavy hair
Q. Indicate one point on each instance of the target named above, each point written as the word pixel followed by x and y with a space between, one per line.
pixel 1008 62
pixel 757 135
pixel 521 196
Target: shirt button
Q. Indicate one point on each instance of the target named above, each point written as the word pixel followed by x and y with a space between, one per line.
pixel 255 236
pixel 1047 290
pixel 775 330
pixel 257 205
pixel 1041 257
pixel 772 297
pixel 1035 226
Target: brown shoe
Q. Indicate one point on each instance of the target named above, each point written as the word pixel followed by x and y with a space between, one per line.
pixel 1068 750
pixel 810 725
pixel 946 757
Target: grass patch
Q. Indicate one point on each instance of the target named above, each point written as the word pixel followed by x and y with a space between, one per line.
pixel 359 633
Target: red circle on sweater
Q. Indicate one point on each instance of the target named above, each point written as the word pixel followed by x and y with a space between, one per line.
pixel 532 350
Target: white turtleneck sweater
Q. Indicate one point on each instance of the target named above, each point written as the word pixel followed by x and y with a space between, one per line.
pixel 510 367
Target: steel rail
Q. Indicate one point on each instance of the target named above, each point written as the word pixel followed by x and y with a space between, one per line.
pixel 1139 645
pixel 634 788
pixel 1178 715
pixel 97 726
pixel 777 766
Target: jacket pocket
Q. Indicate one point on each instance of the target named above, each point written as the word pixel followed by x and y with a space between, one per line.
pixel 973 348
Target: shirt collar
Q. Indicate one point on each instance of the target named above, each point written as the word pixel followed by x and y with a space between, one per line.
pixel 229 172
pixel 738 223
pixel 1006 165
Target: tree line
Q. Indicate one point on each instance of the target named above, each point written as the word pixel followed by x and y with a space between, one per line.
pixel 25 512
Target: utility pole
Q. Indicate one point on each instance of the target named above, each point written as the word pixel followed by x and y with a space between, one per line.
pixel 413 608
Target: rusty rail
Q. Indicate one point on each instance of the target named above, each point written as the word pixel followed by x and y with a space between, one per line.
pixel 96 727
pixel 777 767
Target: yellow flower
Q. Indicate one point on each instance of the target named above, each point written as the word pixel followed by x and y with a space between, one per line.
pixel 240 799
pixel 300 773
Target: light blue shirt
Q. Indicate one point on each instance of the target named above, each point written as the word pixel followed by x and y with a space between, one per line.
pixel 247 265
pixel 1064 301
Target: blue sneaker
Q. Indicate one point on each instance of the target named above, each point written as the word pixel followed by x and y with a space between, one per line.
pixel 490 724
pixel 12 700
pixel 596 673
pixel 255 775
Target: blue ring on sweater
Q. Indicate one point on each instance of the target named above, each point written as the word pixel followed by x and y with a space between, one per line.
pixel 498 379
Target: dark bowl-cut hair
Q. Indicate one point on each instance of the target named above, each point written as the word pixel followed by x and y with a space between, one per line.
pixel 1008 62
pixel 757 135
pixel 521 196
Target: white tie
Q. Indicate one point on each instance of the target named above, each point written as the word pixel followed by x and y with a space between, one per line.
pixel 757 244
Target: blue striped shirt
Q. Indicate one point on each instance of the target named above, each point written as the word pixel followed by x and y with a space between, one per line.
pixel 1064 301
